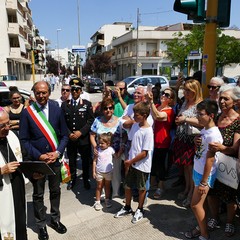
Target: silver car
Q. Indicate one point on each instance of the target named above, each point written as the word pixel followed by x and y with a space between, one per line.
pixel 133 81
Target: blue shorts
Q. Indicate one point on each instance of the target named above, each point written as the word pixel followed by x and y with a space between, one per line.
pixel 197 178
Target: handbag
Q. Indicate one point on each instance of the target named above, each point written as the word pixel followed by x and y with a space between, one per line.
pixel 227 170
pixel 65 170
pixel 191 130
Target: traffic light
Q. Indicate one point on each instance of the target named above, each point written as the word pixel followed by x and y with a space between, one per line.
pixel 185 62
pixel 224 9
pixel 36 56
pixel 195 9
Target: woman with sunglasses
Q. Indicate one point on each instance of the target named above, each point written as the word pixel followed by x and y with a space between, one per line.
pixel 15 109
pixel 105 123
pixel 214 85
pixel 183 146
pixel 163 115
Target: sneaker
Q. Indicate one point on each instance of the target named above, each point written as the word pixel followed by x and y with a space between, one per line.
pixel 97 206
pixel 123 212
pixel 108 203
pixel 213 224
pixel 137 216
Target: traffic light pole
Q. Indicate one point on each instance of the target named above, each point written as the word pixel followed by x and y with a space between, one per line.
pixel 210 42
pixel 33 65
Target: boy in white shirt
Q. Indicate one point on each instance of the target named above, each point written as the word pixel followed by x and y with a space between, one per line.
pixel 139 162
pixel 204 167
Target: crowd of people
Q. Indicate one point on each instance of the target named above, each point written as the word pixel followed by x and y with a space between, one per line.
pixel 123 140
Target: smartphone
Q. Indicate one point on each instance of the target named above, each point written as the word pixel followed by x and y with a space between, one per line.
pixel 149 87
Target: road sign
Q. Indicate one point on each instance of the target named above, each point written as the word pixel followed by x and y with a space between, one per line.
pixel 78 49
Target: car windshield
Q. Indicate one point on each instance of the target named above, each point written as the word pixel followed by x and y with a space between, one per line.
pixel 128 80
pixel 231 80
pixel 97 80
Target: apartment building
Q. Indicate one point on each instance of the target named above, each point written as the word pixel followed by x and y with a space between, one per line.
pixel 146 48
pixel 16 38
pixel 105 35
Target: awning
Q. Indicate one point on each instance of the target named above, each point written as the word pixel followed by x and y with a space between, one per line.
pixel 22 44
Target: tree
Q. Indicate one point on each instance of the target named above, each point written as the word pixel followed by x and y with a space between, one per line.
pixel 100 63
pixel 52 65
pixel 228 48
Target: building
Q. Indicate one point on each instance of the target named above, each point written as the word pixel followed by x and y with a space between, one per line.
pixel 16 39
pixel 143 51
pixel 105 35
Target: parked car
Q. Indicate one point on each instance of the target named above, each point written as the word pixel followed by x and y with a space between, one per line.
pixel 133 81
pixel 8 77
pixel 5 99
pixel 229 81
pixel 94 85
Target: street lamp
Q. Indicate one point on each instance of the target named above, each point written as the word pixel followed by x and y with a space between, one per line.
pixel 58 30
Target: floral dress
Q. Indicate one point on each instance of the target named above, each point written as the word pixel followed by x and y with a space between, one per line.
pixel 222 191
pixel 183 145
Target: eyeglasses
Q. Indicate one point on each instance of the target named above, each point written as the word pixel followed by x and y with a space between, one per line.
pixel 75 89
pixel 167 95
pixel 4 125
pixel 108 108
pixel 121 89
pixel 65 90
pixel 212 87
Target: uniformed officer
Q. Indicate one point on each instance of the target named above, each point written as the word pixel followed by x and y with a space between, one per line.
pixel 79 117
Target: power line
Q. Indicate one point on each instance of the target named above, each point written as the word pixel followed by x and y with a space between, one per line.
pixel 156 12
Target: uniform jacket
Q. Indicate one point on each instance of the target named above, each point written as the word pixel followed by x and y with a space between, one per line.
pixel 79 118
pixel 33 140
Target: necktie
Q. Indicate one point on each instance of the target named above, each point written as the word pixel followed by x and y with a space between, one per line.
pixel 74 103
pixel 42 109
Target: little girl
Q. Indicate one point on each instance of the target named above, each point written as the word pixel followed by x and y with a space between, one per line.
pixel 102 169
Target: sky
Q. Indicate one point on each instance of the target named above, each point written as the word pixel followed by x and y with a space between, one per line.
pixel 50 15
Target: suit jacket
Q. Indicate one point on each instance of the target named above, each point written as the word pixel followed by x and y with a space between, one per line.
pixel 79 118
pixel 33 140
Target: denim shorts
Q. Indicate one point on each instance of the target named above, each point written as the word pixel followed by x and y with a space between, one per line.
pixel 197 178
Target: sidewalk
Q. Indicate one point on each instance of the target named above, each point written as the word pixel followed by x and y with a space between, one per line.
pixel 163 219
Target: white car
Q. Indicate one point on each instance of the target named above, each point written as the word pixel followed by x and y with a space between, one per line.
pixel 133 81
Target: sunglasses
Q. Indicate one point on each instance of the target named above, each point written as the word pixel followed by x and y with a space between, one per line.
pixel 4 125
pixel 108 108
pixel 212 87
pixel 66 90
pixel 121 89
pixel 75 89
pixel 167 95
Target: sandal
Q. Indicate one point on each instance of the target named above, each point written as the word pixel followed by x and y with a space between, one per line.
pixel 193 233
pixel 229 230
pixel 158 193
pixel 203 238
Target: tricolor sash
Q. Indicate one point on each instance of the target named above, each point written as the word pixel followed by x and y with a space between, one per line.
pixel 45 127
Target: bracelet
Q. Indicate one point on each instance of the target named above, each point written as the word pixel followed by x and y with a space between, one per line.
pixel 203 185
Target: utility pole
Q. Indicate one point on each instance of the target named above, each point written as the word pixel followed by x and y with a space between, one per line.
pixel 210 42
pixel 33 63
pixel 137 63
pixel 79 54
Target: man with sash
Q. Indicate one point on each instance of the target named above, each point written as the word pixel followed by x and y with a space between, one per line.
pixel 44 136
pixel 12 190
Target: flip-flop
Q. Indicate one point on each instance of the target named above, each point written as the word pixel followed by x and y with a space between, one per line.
pixel 193 233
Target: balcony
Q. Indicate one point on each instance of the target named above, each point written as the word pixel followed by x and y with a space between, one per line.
pixel 11 4
pixel 13 28
pixel 26 26
pixel 15 52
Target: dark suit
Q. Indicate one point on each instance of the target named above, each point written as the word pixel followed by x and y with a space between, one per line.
pixel 79 118
pixel 35 144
